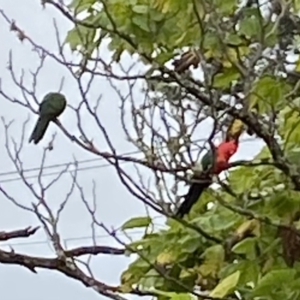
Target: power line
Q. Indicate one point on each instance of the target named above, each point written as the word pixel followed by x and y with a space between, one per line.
pixel 63 164
pixel 80 238
pixel 58 172
pixel 55 166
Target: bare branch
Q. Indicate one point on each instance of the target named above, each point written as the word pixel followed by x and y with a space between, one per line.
pixel 21 233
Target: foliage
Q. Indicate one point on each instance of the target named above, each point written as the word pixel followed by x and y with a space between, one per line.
pixel 243 51
pixel 243 237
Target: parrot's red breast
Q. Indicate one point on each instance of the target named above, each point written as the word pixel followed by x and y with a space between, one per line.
pixel 223 153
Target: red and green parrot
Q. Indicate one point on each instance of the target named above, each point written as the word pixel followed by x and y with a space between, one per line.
pixel 209 166
pixel 51 107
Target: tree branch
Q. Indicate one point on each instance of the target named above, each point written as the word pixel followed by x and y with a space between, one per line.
pixel 93 250
pixel 21 233
pixel 66 267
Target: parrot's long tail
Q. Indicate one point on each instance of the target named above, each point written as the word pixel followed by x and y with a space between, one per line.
pixel 39 130
pixel 192 197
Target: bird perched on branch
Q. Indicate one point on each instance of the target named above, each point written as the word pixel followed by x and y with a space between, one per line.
pixel 51 107
pixel 187 59
pixel 213 163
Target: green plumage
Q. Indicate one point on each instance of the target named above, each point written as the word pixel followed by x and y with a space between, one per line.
pixel 51 107
pixel 201 183
pixel 207 160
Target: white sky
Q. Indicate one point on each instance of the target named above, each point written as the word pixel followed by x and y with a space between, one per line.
pixel 115 204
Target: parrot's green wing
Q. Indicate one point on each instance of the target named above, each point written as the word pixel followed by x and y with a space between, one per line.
pixel 207 160
pixel 51 107
pixel 198 186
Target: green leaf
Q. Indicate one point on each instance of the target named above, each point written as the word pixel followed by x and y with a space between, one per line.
pixel 224 80
pixel 141 22
pixel 296 5
pixel 233 39
pixel 79 37
pixel 250 272
pixel 187 273
pixel 181 297
pixel 269 93
pixel 151 279
pixel 73 39
pixel 247 247
pixel 174 296
pixel 290 125
pixel 211 41
pixel 273 280
pixel 137 222
pixel 226 286
pixel 163 57
pixel 79 6
pixel 140 9
pixel 250 27
pixel 213 260
pixel 166 257
pixel 226 7
pixel 189 243
pixel 297 69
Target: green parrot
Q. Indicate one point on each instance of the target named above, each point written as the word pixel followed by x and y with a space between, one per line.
pixel 51 107
pixel 202 182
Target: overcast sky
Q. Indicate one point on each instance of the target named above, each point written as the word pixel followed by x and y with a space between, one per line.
pixel 115 204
